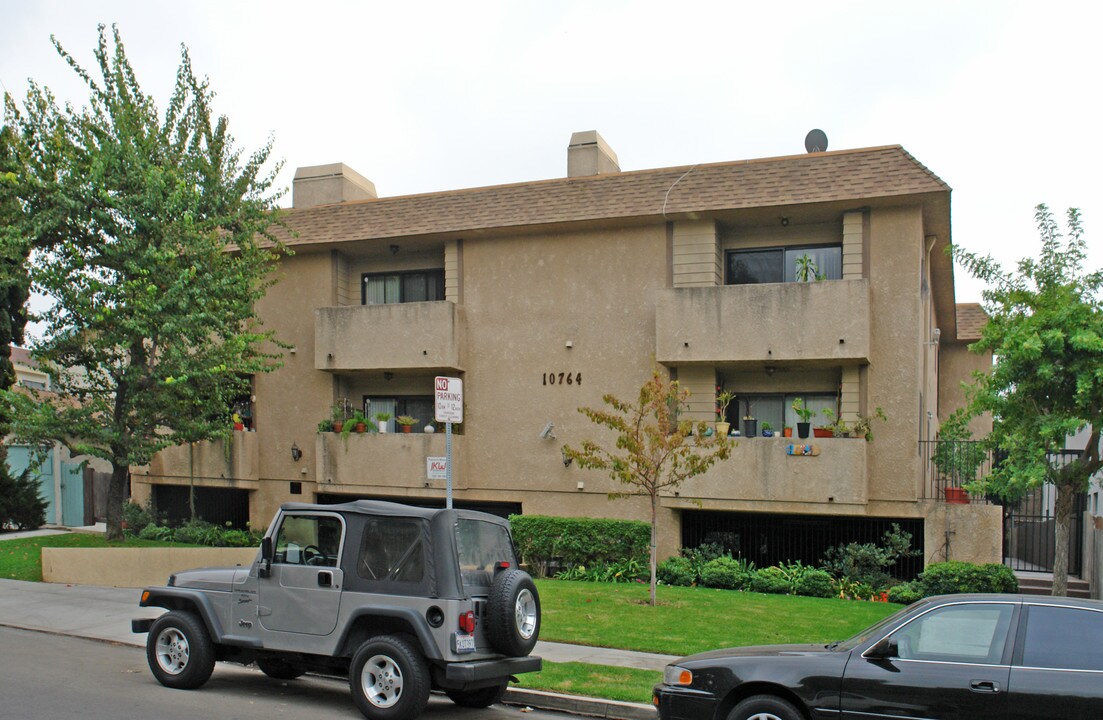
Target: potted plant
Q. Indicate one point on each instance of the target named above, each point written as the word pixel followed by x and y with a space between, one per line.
pixel 358 422
pixel 381 418
pixel 805 414
pixel 836 427
pixel 337 416
pixel 406 422
pixel 723 399
pixel 325 426
pixel 863 425
pixel 787 431
pixel 750 424
pixel 807 270
pixel 957 458
pixel 767 429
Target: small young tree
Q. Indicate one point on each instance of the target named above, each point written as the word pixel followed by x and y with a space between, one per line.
pixel 654 450
pixel 148 235
pixel 1046 331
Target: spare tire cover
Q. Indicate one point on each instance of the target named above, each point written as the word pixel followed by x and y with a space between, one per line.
pixel 513 613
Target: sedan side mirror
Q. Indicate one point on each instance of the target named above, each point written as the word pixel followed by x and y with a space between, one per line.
pixel 265 569
pixel 884 649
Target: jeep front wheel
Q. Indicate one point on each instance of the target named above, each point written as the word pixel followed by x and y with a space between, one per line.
pixel 179 651
pixel 389 679
pixel 513 613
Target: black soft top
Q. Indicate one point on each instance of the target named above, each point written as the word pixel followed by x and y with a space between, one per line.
pixel 392 509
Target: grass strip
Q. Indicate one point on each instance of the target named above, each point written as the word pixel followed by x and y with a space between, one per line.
pixel 603 681
pixel 21 559
pixel 692 620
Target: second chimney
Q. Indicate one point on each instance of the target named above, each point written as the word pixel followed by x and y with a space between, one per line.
pixel 329 184
pixel 589 155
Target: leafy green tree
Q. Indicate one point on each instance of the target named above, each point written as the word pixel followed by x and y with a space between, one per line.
pixel 150 235
pixel 1046 330
pixel 654 450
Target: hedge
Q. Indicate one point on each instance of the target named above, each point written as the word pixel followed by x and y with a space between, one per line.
pixel 578 541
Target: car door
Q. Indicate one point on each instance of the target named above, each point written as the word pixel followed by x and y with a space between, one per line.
pixel 303 592
pixel 950 662
pixel 1057 670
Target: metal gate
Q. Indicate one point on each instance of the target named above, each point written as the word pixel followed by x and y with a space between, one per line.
pixel 1029 527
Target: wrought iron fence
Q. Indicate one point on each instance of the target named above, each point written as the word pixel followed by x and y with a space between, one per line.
pixel 950 465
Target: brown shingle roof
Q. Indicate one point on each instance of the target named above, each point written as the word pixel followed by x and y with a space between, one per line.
pixel 971 320
pixel 820 177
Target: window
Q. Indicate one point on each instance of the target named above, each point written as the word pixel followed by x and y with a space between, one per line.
pixel 970 633
pixel 773 265
pixel 421 408
pixel 308 540
pixel 1064 638
pixel 405 287
pixel 778 409
pixel 480 545
pixel 392 550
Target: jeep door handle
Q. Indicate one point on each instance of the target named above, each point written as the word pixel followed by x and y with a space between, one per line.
pixel 325 579
pixel 984 686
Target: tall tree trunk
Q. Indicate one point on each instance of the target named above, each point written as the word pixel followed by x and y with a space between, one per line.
pixel 654 545
pixel 1066 494
pixel 116 495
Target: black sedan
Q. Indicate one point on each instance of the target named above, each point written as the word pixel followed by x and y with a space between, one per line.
pixel 947 657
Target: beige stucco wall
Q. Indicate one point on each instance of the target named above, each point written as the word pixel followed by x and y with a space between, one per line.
pixel 133 567
pixel 956 367
pixel 970 533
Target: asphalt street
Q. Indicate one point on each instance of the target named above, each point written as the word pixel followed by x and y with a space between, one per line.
pixel 54 677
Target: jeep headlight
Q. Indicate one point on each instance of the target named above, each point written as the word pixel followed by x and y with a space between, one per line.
pixel 675 675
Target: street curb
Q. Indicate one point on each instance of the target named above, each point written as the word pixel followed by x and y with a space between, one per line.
pixel 578 705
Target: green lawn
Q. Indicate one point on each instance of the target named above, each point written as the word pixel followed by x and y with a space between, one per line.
pixel 604 681
pixel 691 620
pixel 22 559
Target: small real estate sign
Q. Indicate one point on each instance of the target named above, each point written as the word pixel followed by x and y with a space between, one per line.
pixel 436 468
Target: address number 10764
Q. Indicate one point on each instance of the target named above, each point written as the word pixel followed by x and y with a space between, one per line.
pixel 563 378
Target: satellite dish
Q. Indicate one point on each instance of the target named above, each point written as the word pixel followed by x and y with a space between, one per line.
pixel 815 141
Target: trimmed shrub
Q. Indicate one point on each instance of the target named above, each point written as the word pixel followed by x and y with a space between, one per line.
pixel 770 580
pixel 578 541
pixel 906 593
pixel 616 572
pixel 676 570
pixel 727 573
pixel 951 577
pixel 866 563
pixel 815 583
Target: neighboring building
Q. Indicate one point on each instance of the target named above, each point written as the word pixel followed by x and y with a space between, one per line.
pixel 60 475
pixel 543 296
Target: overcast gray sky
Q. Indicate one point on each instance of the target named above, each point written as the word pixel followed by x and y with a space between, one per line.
pixel 1000 99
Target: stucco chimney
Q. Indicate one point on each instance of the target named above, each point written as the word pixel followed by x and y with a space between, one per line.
pixel 589 155
pixel 329 184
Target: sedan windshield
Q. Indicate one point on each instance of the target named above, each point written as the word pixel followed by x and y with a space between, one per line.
pixel 874 630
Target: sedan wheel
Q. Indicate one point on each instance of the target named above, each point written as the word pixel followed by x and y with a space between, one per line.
pixel 765 707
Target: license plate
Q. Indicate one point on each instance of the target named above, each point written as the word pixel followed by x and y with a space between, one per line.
pixel 463 643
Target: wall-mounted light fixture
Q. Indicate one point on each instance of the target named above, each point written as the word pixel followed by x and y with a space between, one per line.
pixel 296 453
pixel 394 249
pixel 770 369
pixel 785 222
pixel 388 376
pixel 567 460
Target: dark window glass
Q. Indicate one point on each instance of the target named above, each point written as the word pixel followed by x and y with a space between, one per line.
pixel 1064 638
pixel 420 408
pixel 387 288
pixel 747 267
pixel 392 550
pixel 971 633
pixel 480 545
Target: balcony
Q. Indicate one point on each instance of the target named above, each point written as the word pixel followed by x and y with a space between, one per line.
pixel 418 336
pixel 233 462
pixel 391 460
pixel 760 471
pixel 775 322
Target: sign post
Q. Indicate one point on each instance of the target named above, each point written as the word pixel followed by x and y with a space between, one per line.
pixel 448 408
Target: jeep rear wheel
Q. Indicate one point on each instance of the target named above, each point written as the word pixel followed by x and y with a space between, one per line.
pixel 481 698
pixel 179 651
pixel 513 613
pixel 389 679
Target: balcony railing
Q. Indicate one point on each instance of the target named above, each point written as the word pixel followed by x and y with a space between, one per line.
pixel 420 335
pixel 391 460
pixel 950 465
pixel 775 321
pixel 760 470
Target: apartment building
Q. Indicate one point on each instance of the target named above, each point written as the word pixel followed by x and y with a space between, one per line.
pixel 544 296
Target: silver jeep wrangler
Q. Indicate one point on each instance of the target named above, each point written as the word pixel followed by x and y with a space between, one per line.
pixel 401 600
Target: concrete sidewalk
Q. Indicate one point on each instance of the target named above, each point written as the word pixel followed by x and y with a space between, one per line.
pixel 104 614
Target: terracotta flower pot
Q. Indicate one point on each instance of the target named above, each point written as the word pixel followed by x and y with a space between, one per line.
pixel 407 428
pixel 957 496
pixel 360 427
pixel 822 433
pixel 338 426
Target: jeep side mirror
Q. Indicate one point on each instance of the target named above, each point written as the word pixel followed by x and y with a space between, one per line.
pixel 265 569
